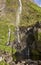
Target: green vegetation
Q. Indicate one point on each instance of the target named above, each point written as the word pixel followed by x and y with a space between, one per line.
pixel 4 33
pixel 7 49
pixel 3 63
pixel 31 13
pixel 35 7
pixel 4 28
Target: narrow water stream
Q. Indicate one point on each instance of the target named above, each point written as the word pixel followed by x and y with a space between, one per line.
pixel 18 16
pixel 9 34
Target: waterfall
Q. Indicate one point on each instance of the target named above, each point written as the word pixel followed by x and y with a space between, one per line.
pixel 9 34
pixel 18 20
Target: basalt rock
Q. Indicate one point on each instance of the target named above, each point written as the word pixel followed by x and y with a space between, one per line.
pixel 29 39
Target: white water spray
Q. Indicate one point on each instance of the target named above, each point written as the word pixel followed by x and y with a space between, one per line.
pixel 19 11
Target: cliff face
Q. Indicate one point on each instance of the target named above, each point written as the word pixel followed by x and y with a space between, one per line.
pixel 31 13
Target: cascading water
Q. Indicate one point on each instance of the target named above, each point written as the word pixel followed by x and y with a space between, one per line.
pixel 19 11
pixel 9 34
pixel 18 15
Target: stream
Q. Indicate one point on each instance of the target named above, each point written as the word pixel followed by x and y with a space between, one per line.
pixel 18 16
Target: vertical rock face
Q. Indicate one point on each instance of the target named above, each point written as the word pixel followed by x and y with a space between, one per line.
pixel 2 7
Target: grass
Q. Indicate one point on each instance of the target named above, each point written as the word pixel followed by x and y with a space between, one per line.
pixel 35 7
pixel 7 49
pixel 31 13
pixel 4 27
pixel 3 63
pixel 4 33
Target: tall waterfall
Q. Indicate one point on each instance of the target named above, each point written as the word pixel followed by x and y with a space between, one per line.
pixel 18 15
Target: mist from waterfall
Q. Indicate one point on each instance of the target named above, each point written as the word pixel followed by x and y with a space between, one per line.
pixel 18 16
